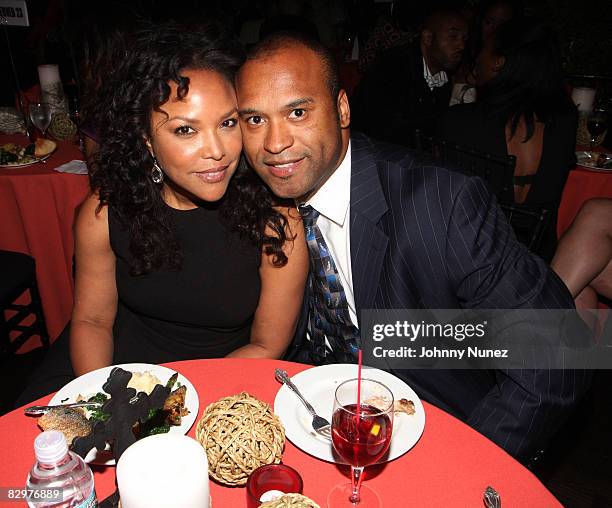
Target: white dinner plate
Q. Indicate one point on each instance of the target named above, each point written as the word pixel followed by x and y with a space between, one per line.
pixel 588 160
pixel 91 383
pixel 30 163
pixel 318 385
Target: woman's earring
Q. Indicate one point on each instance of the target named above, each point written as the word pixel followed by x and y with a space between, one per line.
pixel 157 175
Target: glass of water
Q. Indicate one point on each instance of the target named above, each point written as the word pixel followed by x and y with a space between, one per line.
pixel 40 114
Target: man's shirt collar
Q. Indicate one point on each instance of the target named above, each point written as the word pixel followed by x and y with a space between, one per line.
pixel 333 198
pixel 434 80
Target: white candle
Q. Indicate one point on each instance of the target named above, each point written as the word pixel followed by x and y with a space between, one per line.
pixel 48 75
pixel 583 97
pixel 164 470
pixel 51 89
pixel 270 495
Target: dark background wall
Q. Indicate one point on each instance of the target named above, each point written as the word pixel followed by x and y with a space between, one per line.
pixel 57 26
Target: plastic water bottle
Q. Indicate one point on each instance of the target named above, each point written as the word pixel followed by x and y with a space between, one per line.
pixel 58 470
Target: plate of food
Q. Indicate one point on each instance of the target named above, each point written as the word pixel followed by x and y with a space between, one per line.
pixel 14 155
pixel 177 416
pixel 318 385
pixel 595 161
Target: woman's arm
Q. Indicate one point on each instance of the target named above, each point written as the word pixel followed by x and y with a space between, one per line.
pixel 95 301
pixel 280 300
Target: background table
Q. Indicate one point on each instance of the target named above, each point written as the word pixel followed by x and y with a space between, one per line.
pixel 581 186
pixel 450 466
pixel 37 210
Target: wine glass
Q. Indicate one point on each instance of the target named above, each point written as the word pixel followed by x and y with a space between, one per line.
pixel 597 123
pixel 40 114
pixel 361 434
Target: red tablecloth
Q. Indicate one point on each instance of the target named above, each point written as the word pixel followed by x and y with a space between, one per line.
pixel 37 209
pixel 449 467
pixel 581 186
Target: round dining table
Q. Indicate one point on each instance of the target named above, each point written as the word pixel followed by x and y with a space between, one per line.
pixel 37 210
pixel 450 465
pixel 582 184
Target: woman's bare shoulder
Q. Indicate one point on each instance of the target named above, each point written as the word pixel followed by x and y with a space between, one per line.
pixel 92 216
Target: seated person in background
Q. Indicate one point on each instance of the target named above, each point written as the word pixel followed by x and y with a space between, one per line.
pixel 494 13
pixel 181 252
pixel 407 88
pixel 491 15
pixel 522 110
pixel 584 256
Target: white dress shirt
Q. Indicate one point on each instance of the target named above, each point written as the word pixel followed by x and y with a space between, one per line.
pixel 333 202
pixel 434 80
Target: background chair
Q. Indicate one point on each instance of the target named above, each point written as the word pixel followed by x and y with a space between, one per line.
pixel 497 172
pixel 18 276
pixel 530 223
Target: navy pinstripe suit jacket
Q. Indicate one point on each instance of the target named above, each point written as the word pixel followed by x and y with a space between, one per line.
pixel 423 236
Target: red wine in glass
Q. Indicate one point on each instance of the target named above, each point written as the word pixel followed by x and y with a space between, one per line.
pixel 361 441
pixel 361 435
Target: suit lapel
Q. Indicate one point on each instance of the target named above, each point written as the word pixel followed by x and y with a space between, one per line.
pixel 368 241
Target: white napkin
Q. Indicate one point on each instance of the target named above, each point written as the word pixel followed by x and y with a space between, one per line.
pixel 74 167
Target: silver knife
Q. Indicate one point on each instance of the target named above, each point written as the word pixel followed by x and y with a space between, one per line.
pixel 41 410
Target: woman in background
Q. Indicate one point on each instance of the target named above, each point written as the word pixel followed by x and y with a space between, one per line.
pixel 181 252
pixel 584 257
pixel 490 16
pixel 522 110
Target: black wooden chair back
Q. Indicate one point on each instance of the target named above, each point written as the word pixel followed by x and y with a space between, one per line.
pixel 497 172
pixel 18 276
pixel 528 222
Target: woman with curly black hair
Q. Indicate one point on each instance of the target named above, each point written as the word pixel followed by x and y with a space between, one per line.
pixel 181 251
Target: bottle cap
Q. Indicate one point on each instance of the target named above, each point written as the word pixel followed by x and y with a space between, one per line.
pixel 50 446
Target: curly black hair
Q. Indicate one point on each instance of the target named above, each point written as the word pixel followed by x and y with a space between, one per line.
pixel 121 168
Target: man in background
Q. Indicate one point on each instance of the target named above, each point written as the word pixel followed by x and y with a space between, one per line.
pixel 408 87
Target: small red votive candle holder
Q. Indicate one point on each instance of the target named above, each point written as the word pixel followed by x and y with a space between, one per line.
pixel 271 481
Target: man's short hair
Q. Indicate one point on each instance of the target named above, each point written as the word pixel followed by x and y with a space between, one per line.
pixel 280 40
pixel 438 15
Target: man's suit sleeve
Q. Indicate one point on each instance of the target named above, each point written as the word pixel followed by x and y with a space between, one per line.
pixel 491 270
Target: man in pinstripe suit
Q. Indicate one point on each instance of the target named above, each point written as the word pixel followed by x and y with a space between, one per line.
pixel 402 234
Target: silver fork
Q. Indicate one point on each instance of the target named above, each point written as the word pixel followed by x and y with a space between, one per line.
pixel 491 498
pixel 319 424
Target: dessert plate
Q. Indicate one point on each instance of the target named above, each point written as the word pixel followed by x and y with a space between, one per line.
pixel 595 161
pixel 318 385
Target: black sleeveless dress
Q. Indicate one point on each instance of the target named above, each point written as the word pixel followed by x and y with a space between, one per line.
pixel 203 310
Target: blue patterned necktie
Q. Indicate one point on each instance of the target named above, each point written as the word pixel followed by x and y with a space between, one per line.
pixel 329 312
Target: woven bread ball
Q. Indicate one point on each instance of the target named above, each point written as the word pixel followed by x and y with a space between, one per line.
pixel 290 501
pixel 239 433
pixel 62 127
